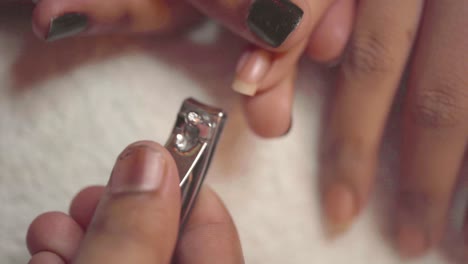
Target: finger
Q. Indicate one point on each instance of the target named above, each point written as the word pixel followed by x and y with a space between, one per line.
pixel 367 81
pixel 210 235
pixel 278 24
pixel 137 219
pixel 259 70
pixel 329 39
pixel 268 121
pixel 45 257
pixel 55 19
pixel 252 68
pixel 435 127
pixel 84 204
pixel 54 232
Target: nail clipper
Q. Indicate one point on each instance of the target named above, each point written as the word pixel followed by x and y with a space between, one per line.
pixel 192 144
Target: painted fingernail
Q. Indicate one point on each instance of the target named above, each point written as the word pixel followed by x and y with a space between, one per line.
pixel 273 20
pixel 66 25
pixel 251 69
pixel 411 240
pixel 340 208
pixel 139 168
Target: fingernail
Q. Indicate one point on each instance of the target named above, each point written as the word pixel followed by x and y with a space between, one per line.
pixel 340 208
pixel 289 128
pixel 251 69
pixel 273 20
pixel 66 25
pixel 414 231
pixel 411 240
pixel 139 168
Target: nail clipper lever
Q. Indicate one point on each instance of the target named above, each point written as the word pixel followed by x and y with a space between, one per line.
pixel 192 144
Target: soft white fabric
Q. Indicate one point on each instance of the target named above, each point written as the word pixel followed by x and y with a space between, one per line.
pixel 68 108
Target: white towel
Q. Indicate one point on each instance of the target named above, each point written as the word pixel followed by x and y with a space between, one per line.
pixel 68 108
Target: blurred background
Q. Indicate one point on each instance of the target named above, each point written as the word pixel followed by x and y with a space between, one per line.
pixel 68 108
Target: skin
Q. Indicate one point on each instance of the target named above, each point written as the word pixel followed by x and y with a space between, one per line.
pixel 372 43
pixel 316 30
pixel 435 115
pixel 136 228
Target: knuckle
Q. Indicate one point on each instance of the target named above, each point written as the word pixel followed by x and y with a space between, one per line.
pixel 443 105
pixel 367 53
pixel 420 200
pixel 416 203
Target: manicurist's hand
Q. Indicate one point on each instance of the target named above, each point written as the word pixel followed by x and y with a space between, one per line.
pixel 135 219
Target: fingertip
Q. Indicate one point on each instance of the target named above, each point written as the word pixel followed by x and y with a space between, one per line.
pixel 269 113
pixel 46 257
pixel 339 207
pixel 411 241
pixel 145 167
pixel 53 20
pixel 302 29
pixel 151 145
pixel 414 234
pixel 328 41
pixel 40 21
pixel 55 232
pixel 39 227
pixel 84 204
pixel 278 25
pixel 210 235
pixel 251 69
pixel 264 121
pixel 208 209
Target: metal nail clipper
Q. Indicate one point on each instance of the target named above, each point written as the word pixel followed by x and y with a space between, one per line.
pixel 192 143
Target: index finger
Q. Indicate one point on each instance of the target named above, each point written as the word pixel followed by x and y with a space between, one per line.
pixel 209 235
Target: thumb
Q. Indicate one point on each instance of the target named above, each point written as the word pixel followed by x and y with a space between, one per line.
pixel 137 219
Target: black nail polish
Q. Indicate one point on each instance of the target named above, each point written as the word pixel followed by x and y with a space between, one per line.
pixel 273 20
pixel 66 25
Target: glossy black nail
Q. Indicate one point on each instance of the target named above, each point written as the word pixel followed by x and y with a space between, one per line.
pixel 273 20
pixel 66 25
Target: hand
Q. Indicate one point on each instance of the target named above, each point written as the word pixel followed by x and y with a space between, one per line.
pixel 269 73
pixel 435 115
pixel 135 219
